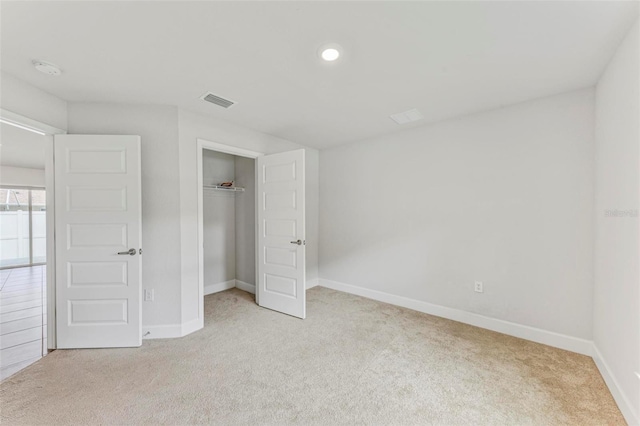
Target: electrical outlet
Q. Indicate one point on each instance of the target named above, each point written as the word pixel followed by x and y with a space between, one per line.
pixel 148 295
pixel 478 287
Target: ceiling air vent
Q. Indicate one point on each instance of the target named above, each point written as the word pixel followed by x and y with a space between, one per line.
pixel 214 99
pixel 407 116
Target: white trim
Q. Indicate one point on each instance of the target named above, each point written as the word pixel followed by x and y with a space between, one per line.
pixel 227 149
pixel 162 331
pixel 29 124
pixel 557 340
pixel 249 288
pixel 619 396
pixel 192 326
pixel 218 287
pixel 49 179
pixel 312 283
pixel 170 331
pixel 20 126
pixel 200 189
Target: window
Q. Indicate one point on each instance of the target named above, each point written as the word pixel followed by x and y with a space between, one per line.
pixel 23 226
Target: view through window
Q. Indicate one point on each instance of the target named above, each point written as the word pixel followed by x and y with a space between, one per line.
pixel 22 226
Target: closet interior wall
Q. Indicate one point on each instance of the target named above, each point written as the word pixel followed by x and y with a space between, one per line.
pixel 229 223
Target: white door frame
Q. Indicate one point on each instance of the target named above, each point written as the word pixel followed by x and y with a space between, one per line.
pixel 11 118
pixel 227 149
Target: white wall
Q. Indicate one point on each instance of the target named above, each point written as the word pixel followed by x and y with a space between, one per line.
pixel 504 197
pixel 616 313
pixel 228 221
pixel 312 212
pixel 246 220
pixel 158 128
pixel 219 220
pixel 29 101
pixel 21 176
pixel 193 126
pixel 21 148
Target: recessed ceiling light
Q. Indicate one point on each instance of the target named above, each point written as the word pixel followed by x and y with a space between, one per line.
pixel 330 52
pixel 47 68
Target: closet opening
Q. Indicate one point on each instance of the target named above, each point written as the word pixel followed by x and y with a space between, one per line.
pixel 251 226
pixel 228 222
pixel 227 218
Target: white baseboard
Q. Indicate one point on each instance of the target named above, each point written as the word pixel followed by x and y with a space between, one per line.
pixel 162 331
pixel 192 326
pixel 249 288
pixel 215 288
pixel 312 283
pixel 562 341
pixel 619 396
pixel 171 330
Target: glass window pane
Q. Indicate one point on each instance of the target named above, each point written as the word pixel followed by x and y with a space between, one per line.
pixel 14 227
pixel 39 225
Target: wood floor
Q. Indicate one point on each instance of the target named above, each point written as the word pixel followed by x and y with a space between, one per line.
pixel 23 338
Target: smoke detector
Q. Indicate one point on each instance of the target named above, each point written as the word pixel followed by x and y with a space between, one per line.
pixel 217 100
pixel 47 68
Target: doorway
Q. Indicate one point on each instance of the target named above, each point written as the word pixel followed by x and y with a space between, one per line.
pixel 27 253
pixel 228 222
pixel 279 275
pixel 226 218
pixel 23 249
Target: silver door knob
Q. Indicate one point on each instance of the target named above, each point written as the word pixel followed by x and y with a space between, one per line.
pixel 130 252
pixel 298 242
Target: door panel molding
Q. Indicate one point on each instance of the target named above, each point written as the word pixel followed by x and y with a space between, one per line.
pixel 281 233
pixel 98 211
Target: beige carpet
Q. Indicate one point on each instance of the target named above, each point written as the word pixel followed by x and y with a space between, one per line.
pixel 352 361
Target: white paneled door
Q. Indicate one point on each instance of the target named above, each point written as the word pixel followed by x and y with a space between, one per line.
pixel 98 241
pixel 281 233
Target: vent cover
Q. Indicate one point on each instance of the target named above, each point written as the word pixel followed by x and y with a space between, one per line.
pixel 407 116
pixel 215 99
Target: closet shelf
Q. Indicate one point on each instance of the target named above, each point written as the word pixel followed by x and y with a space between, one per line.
pixel 224 188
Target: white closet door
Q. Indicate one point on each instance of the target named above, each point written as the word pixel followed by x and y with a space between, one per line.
pixel 281 233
